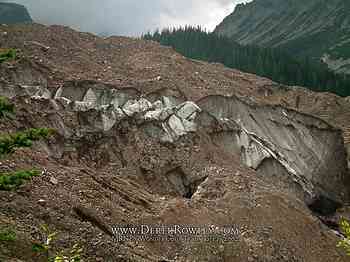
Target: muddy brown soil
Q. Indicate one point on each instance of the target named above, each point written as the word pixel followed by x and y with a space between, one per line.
pixel 125 176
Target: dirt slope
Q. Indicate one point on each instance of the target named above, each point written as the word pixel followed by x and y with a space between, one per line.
pixel 124 175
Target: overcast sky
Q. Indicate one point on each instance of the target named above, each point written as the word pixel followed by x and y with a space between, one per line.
pixel 128 17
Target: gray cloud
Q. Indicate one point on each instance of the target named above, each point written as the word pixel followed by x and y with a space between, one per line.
pixel 128 17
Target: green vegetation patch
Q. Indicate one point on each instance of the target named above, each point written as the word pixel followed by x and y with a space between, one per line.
pixel 47 249
pixel 345 242
pixel 7 55
pixel 7 235
pixel 6 108
pixel 8 143
pixel 11 181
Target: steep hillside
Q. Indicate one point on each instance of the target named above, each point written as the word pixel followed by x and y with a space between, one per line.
pixel 316 28
pixel 145 136
pixel 272 63
pixel 11 13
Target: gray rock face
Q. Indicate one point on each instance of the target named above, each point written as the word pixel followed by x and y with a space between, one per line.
pixel 296 26
pixel 306 155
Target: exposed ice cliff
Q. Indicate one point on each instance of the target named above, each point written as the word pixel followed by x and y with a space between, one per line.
pixel 304 154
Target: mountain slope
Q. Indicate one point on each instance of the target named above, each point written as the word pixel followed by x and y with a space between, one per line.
pixel 146 136
pixel 11 13
pixel 316 28
pixel 272 63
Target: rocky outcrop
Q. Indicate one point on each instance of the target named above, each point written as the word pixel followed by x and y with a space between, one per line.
pixel 294 26
pixel 11 13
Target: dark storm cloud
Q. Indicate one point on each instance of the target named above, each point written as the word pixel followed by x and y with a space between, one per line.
pixel 128 17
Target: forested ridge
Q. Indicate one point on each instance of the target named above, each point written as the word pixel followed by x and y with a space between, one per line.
pixel 195 43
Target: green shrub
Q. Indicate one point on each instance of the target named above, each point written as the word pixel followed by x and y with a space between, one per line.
pixel 6 108
pixel 9 143
pixel 7 55
pixel 11 181
pixel 35 134
pixel 7 235
pixel 345 243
